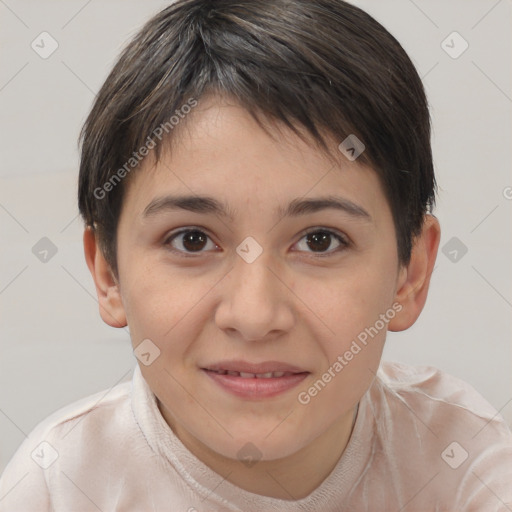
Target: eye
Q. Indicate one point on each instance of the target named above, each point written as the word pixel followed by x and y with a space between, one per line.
pixel 192 240
pixel 320 240
pixel 189 241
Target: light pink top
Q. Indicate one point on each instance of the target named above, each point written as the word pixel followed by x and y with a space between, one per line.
pixel 423 441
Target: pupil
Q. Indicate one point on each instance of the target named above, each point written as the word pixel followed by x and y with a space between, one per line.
pixel 321 238
pixel 320 241
pixel 194 240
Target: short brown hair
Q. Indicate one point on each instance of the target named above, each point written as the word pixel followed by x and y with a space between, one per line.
pixel 324 65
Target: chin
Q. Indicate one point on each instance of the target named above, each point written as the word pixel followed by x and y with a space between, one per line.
pixel 256 445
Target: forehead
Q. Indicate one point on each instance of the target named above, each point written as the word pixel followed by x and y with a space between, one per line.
pixel 219 150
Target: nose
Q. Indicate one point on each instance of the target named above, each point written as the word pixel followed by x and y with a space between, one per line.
pixel 255 303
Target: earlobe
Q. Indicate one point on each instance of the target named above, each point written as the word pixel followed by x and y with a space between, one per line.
pixel 107 289
pixel 414 280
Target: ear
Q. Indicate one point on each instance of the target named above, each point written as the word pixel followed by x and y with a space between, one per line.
pixel 414 279
pixel 109 298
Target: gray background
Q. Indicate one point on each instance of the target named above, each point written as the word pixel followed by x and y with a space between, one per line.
pixel 54 346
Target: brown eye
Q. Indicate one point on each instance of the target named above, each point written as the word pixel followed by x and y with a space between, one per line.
pixel 320 241
pixel 189 241
pixel 194 240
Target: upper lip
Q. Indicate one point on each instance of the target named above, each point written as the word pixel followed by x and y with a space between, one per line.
pixel 246 367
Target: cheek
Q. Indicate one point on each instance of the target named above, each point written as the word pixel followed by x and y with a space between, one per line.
pixel 348 304
pixel 165 304
pixel 359 310
pixel 352 309
pixel 155 299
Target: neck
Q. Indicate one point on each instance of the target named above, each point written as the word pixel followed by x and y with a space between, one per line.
pixel 290 478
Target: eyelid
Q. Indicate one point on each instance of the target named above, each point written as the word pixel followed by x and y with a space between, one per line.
pixel 343 239
pixel 169 237
pixel 331 231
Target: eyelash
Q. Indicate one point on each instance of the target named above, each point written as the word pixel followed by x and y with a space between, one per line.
pixel 344 243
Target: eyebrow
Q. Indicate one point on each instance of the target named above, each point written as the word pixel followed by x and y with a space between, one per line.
pixel 210 205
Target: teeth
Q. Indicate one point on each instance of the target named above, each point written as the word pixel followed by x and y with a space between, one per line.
pixel 247 375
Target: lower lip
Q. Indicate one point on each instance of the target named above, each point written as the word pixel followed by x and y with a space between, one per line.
pixel 256 388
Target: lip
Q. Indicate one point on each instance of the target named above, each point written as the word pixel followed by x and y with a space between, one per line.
pixel 244 366
pixel 255 387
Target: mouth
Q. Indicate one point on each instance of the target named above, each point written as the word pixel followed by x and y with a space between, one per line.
pixel 247 375
pixel 255 380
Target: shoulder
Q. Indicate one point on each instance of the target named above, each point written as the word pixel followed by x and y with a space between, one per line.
pixel 93 406
pixel 74 434
pixel 461 440
pixel 434 387
pixel 96 416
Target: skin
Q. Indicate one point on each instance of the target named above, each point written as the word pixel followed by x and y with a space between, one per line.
pixel 290 304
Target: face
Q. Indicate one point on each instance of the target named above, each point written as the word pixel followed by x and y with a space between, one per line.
pixel 277 284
